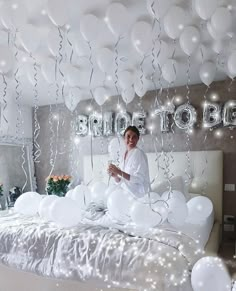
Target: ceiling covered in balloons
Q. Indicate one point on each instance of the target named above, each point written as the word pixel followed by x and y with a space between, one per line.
pixel 58 50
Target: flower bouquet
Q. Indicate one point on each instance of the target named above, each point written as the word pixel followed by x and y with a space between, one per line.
pixel 58 185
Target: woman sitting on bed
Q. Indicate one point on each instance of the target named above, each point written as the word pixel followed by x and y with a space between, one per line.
pixel 134 172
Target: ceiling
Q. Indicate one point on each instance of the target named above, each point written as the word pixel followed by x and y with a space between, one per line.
pixel 72 50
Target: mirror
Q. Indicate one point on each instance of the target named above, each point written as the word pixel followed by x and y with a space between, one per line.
pixel 17 173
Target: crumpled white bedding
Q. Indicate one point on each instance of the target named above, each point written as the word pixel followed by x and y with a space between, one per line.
pixel 109 254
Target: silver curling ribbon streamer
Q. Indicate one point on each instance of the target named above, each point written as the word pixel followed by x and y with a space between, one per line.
pixel 51 140
pixel 59 63
pixel 20 123
pixel 188 169
pixel 91 63
pixel 71 46
pixel 57 119
pixel 37 149
pixel 4 100
pixel 117 65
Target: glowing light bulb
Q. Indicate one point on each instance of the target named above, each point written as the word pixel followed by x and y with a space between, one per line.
pixel 76 140
pixel 55 116
pixel 106 19
pixel 14 6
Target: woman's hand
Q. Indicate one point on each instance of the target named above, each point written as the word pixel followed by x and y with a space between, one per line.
pixel 113 170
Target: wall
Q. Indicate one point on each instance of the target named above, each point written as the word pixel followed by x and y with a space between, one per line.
pixel 12 114
pixel 69 160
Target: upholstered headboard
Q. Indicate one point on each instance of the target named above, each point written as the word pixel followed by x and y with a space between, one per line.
pixel 204 167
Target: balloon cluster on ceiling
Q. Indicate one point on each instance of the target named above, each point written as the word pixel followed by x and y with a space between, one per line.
pixel 137 55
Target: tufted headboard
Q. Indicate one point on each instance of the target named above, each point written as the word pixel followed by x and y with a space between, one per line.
pixel 204 167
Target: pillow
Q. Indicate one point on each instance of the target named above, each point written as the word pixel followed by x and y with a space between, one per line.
pixel 177 183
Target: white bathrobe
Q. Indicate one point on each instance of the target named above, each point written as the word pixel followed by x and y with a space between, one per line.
pixel 136 165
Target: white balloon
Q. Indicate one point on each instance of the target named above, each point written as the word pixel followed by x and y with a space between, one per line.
pixel 199 208
pixel 210 273
pixel 29 37
pixel 100 95
pixel 6 60
pixel 173 194
pixel 218 46
pixel 98 193
pixel 231 63
pixel 65 212
pixel 143 215
pixel 13 14
pixel 161 208
pixel 205 8
pixel 69 193
pixel 189 39
pixel 140 86
pixel 71 102
pixel 105 59
pixel 44 206
pixel 158 8
pixel 116 149
pixel 57 12
pixel 48 70
pixel 89 27
pixel 28 203
pixel 141 37
pixel 73 75
pixel 82 195
pixel 151 197
pixel 178 212
pixel 128 94
pixel 169 70
pixel 217 35
pixel 111 189
pixel 126 79
pixel 162 51
pixel 207 72
pixel 119 204
pixel 175 21
pixel 221 20
pixel 117 18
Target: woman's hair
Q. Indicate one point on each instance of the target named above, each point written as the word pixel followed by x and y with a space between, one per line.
pixel 132 128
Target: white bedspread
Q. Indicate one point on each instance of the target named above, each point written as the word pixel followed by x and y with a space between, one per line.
pixel 108 255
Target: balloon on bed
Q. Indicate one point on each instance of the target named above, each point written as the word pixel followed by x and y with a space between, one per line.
pixel 210 273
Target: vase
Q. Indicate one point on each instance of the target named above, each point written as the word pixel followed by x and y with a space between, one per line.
pixel 3 202
pixel 58 193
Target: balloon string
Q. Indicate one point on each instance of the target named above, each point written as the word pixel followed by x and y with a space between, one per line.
pixel 20 120
pixel 156 20
pixel 37 151
pixel 157 100
pixel 60 61
pixel 56 145
pixel 116 63
pixel 4 98
pixel 51 139
pixel 187 142
pixel 91 63
pixel 71 46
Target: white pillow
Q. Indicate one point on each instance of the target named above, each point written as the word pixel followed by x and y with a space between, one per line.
pixel 177 183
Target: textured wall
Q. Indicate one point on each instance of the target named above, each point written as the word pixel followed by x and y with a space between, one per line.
pixel 69 159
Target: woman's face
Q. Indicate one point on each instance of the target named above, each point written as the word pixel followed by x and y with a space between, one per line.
pixel 131 139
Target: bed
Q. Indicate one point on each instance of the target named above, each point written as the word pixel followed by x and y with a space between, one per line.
pixel 205 169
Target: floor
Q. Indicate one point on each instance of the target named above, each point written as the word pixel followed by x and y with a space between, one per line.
pixel 227 252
